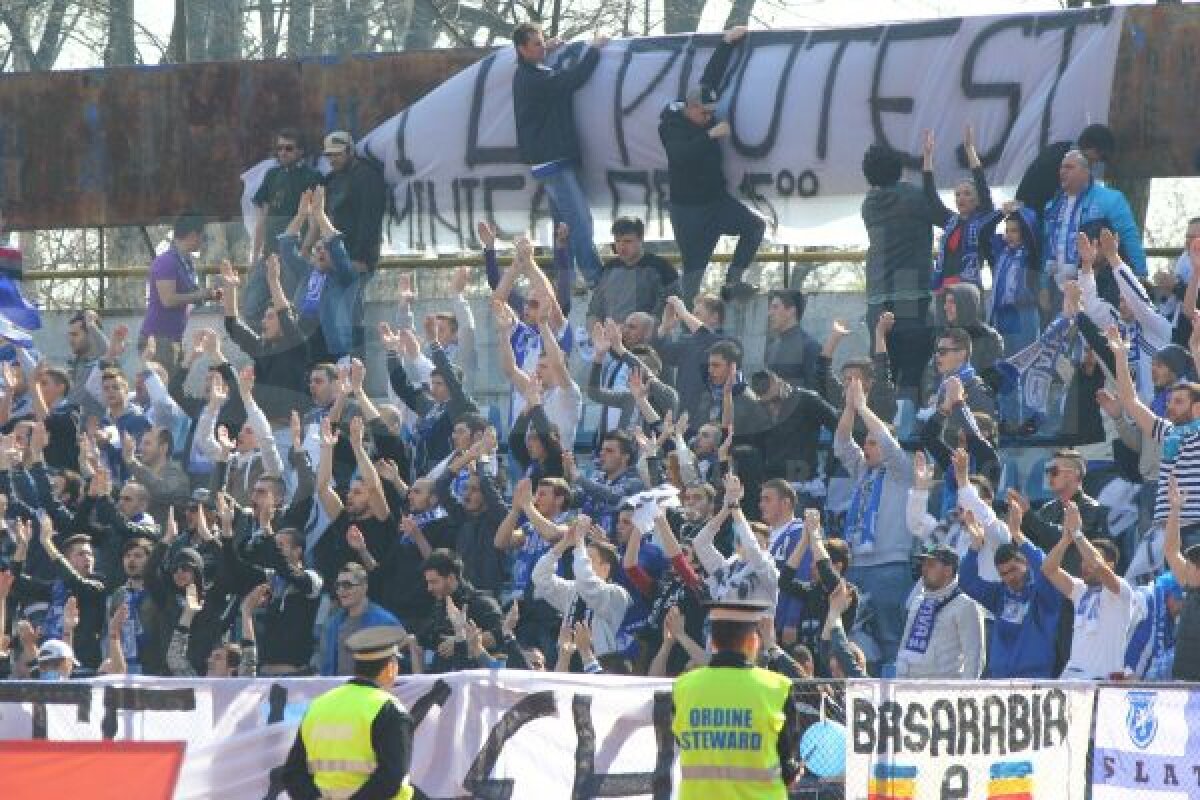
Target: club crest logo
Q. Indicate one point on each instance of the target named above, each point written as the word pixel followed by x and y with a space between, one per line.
pixel 1141 721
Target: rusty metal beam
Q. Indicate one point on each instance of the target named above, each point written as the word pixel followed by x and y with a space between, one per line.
pixel 139 145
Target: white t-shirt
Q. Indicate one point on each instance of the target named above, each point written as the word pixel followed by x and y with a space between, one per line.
pixel 1102 624
pixel 564 406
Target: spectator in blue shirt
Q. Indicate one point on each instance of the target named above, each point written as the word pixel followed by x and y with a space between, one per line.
pixel 1024 604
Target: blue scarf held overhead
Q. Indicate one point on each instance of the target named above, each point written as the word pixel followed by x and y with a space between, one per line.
pixel 863 514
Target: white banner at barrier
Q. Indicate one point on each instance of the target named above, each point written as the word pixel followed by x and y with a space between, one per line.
pixel 804 106
pixel 930 740
pixel 548 735
pixel 1147 744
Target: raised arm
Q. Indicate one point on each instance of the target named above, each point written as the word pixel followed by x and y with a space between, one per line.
pixel 376 500
pixel 325 492
pixel 1126 391
pixel 1052 566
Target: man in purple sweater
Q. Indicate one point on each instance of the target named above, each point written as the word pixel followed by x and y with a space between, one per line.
pixel 172 289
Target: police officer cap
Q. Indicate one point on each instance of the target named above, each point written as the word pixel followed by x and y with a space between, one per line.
pixel 731 611
pixel 380 641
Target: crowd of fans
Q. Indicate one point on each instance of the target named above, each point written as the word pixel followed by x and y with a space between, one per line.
pixel 168 511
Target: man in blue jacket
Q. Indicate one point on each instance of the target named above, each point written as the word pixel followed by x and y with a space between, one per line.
pixel 546 137
pixel 1025 605
pixel 355 613
pixel 1081 200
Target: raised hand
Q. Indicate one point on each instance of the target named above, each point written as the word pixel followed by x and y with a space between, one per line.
pixel 511 619
pixel 637 385
pixel 1087 252
pixel 1109 246
pixel 855 397
pixel 297 429
pixel 274 268
pixel 458 283
pixel 487 235
pixel 1176 497
pixel 191 599
pixel 229 275
pixel 405 291
pixel 812 522
pixel 962 465
pixel 562 235
pixel 329 437
pixel 954 393
pixel 171 529
pixel 389 338
pixel 256 598
pixel 600 341
pixel 885 323
pixel 356 432
pixel 355 539
pixel 927 150
pixel 720 130
pixel 70 615
pixel 1072 521
pixel 838 329
pixel 1017 499
pixel 922 472
pixel 673 623
pixel 974 530
pixel 128 448
pixel 734 491
pixel 1116 342
pixel 117 343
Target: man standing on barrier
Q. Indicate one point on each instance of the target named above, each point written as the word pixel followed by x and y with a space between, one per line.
pixel 735 723
pixel 356 740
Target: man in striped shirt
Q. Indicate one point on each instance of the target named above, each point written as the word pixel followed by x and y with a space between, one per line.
pixel 1179 434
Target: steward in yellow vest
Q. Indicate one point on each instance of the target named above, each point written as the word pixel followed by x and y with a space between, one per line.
pixel 735 724
pixel 356 741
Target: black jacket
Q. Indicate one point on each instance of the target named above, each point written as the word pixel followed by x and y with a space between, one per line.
pixel 543 109
pixel 694 157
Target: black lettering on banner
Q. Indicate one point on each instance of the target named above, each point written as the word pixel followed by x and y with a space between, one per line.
pixel 1009 90
pixel 40 695
pixel 942 713
pixel 1068 22
pixel 755 42
pixel 404 164
pixel 467 186
pixel 843 38
pixel 807 184
pixel 1109 769
pixel 862 725
pixel 436 220
pixel 527 709
pixel 785 183
pixel 437 695
pixel 890 714
pixel 880 105
pixel 277 697
pixel 968 725
pixel 917 736
pixel 588 784
pixel 994 727
pixel 652 201
pixel 136 698
pixel 1055 717
pixel 540 208
pixel 749 189
pixel 674 46
pixel 478 154
pixel 500 183
pixel 956 783
pixel 1020 735
pixel 664 713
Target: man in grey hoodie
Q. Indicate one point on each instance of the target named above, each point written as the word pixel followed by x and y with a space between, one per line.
pixel 88 345
pixel 875 528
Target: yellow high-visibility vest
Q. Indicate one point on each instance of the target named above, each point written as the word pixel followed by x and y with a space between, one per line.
pixel 337 740
pixel 727 725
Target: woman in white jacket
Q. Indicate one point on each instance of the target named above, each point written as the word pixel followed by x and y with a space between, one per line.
pixel 591 596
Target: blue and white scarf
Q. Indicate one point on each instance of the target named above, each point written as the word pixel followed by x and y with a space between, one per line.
pixel 53 625
pixel 310 304
pixel 1033 370
pixel 1010 286
pixel 1056 218
pixel 968 247
pixel 863 514
pixel 965 374
pixel 921 631
pixel 424 519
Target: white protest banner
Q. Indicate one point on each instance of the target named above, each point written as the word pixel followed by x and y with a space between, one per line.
pixel 1147 744
pixel 804 105
pixel 545 735
pixel 930 740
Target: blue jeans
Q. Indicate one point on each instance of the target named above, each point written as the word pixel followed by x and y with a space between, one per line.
pixel 571 206
pixel 886 588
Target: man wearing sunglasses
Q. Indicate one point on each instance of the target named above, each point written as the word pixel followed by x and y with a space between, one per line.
pixel 277 199
pixel 1044 527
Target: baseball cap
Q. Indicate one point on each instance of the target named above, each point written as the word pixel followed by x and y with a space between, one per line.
pixel 704 96
pixel 942 553
pixel 338 142
pixel 55 650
